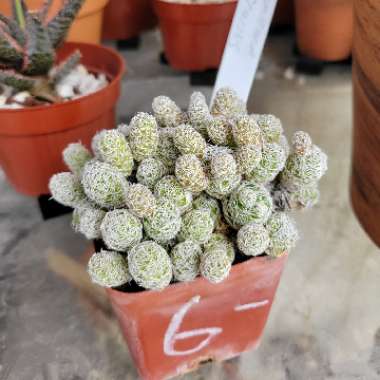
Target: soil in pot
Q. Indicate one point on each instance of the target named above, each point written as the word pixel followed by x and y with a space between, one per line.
pixel 324 28
pixel 124 19
pixel 32 139
pixel 86 28
pixel 194 35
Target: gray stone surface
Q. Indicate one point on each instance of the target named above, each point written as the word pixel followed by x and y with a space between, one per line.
pixel 325 321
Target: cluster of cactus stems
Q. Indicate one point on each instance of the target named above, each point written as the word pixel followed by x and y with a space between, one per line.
pixel 28 43
pixel 176 195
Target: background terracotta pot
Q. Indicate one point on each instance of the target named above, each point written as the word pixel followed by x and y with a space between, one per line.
pixel 125 19
pixel 173 331
pixel 365 181
pixel 194 35
pixel 324 28
pixel 32 139
pixel 87 27
pixel 284 13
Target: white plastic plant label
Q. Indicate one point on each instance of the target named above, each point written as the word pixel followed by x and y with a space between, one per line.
pixel 244 46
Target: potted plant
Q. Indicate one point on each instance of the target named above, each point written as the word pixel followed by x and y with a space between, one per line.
pixel 194 31
pixel 86 27
pixel 48 99
pixel 127 19
pixel 324 28
pixel 190 211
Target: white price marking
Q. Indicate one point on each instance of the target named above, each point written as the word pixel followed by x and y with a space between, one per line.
pixel 244 46
pixel 171 335
pixel 250 306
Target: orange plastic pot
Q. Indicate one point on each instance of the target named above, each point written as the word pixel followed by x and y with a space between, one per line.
pixel 87 27
pixel 194 35
pixel 324 28
pixel 125 19
pixel 32 139
pixel 174 331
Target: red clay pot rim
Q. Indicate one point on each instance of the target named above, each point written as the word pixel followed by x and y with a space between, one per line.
pixel 113 82
pixel 198 279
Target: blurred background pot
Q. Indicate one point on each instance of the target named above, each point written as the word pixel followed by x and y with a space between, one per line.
pixel 87 27
pixel 365 179
pixel 124 19
pixel 32 139
pixel 324 28
pixel 194 35
pixel 173 331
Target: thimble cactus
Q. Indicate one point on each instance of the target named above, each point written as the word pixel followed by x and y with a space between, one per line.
pixel 253 239
pixel 66 189
pixel 167 152
pixel 166 112
pixel 271 127
pixel 165 222
pixel 247 158
pixel 205 184
pixel 150 171
pixel 211 205
pixel 75 156
pixel 215 264
pixel 140 200
pixel 190 173
pixel 197 225
pixel 111 146
pixel 108 269
pixel 104 184
pixel 143 136
pixel 186 258
pixel 189 141
pixel 223 165
pixel 220 239
pixel 150 265
pixel 272 162
pixel 246 131
pixel 198 112
pixel 304 168
pixel 250 202
pixel 227 103
pixel 170 189
pixel 219 130
pixel 283 234
pixel 121 230
pixel 87 221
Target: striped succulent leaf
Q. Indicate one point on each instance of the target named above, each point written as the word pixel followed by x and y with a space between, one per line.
pixel 10 50
pixel 64 68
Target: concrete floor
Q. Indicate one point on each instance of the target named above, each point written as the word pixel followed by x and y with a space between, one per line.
pixel 325 322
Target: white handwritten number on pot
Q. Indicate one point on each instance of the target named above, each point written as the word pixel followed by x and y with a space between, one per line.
pixel 172 335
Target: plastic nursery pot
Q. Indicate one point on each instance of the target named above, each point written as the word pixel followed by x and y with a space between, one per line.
pixel 125 19
pixel 174 331
pixel 32 139
pixel 87 27
pixel 194 35
pixel 284 13
pixel 365 179
pixel 324 28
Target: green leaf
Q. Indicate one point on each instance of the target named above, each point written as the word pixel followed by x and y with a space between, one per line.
pixel 39 52
pixel 20 10
pixel 60 24
pixel 10 50
pixel 13 79
pixel 13 29
pixel 43 12
pixel 65 67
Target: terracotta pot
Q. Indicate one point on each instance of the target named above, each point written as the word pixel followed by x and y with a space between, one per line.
pixel 284 13
pixel 324 28
pixel 174 331
pixel 365 180
pixel 125 19
pixel 87 26
pixel 32 139
pixel 194 35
